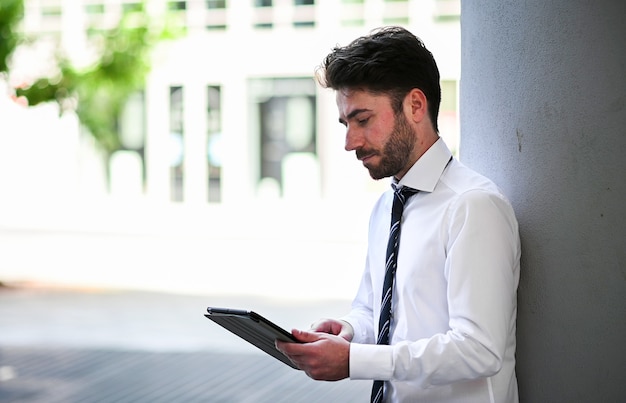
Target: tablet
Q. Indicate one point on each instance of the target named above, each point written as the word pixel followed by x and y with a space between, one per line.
pixel 254 329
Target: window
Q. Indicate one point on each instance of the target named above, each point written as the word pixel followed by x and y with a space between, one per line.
pixel 214 142
pixel 447 10
pixel 94 8
pixel 396 12
pixel 304 24
pixel 216 15
pixel 127 165
pixel 352 22
pixel 51 22
pixel 177 5
pixel 216 27
pixel 51 11
pixel 215 4
pixel 132 123
pixel 284 116
pixel 396 20
pixel 304 13
pixel 263 14
pixel 176 144
pixel 352 13
pixel 132 7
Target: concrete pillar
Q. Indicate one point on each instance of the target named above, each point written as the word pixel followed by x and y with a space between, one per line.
pixel 543 113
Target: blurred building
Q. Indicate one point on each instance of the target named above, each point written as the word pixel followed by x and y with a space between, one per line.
pixel 231 109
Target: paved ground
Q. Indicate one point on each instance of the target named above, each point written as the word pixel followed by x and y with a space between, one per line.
pixel 100 346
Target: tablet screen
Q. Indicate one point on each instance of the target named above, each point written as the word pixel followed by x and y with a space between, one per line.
pixel 253 328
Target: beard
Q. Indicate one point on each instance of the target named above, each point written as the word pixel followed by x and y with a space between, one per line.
pixel 396 152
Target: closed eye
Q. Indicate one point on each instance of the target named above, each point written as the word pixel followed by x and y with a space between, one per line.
pixel 355 116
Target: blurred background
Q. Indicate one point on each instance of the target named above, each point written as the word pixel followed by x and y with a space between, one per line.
pixel 160 156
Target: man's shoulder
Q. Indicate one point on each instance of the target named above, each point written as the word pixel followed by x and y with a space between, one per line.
pixel 472 191
pixel 461 179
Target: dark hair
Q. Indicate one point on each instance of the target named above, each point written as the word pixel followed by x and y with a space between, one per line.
pixel 389 60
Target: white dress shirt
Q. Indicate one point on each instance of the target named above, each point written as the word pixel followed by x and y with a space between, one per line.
pixel 454 299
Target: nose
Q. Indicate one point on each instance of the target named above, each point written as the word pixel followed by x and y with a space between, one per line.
pixel 353 139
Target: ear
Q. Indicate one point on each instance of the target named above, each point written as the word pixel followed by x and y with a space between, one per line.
pixel 417 105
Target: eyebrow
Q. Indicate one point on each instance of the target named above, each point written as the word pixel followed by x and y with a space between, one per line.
pixel 353 114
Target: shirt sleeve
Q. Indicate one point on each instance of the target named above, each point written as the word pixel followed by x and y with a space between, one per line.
pixel 361 316
pixel 482 272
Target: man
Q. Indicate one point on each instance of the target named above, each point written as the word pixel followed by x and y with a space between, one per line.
pixel 448 334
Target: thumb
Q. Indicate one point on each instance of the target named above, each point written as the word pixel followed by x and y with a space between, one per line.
pixel 304 336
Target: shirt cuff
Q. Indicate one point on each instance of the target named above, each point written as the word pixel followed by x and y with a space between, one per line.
pixel 371 361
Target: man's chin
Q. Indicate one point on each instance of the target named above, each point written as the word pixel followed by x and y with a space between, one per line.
pixel 376 174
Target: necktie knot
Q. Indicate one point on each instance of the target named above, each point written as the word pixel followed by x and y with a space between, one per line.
pixel 404 192
pixel 400 196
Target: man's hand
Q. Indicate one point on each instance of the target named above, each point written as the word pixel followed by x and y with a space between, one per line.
pixel 339 328
pixel 322 356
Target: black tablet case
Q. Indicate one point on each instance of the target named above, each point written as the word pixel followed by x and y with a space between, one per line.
pixel 253 328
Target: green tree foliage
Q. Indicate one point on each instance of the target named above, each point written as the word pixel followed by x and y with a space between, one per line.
pixel 11 13
pixel 99 92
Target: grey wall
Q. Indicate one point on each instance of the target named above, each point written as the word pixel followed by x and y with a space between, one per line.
pixel 543 113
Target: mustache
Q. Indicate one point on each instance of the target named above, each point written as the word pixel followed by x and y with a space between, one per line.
pixel 364 152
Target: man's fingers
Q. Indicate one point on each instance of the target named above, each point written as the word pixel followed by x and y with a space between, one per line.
pixel 289 348
pixel 305 336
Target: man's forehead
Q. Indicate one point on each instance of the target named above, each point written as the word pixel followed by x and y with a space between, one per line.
pixel 351 99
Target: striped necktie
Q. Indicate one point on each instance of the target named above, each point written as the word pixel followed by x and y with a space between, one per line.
pixel 400 196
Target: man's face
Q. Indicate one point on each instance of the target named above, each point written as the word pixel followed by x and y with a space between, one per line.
pixel 383 141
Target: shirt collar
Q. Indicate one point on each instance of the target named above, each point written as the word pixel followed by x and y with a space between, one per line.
pixel 427 170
